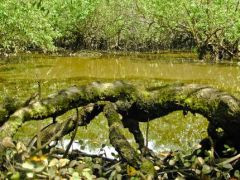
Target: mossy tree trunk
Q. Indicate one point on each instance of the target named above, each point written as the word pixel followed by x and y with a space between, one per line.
pixel 125 105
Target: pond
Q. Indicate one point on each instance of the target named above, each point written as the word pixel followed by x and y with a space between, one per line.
pixel 19 77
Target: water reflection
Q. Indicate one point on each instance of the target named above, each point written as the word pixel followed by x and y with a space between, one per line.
pixel 19 77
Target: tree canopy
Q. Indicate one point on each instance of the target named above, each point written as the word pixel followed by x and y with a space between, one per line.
pixel 206 26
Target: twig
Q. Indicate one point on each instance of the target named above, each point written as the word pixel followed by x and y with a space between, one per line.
pixel 182 171
pixel 39 142
pixel 42 176
pixel 73 136
pixel 48 142
pixel 34 138
pixel 39 89
pixel 77 153
pixel 147 133
pixel 237 5
pixel 229 160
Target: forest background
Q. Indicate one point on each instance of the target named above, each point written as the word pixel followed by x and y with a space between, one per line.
pixel 211 28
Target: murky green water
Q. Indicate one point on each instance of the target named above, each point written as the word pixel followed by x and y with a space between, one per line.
pixel 19 76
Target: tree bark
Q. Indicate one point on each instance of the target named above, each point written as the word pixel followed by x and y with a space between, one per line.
pixel 141 105
pixel 9 106
pixel 63 101
pixel 121 144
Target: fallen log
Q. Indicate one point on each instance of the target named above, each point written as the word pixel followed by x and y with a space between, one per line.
pixel 139 105
pixel 65 100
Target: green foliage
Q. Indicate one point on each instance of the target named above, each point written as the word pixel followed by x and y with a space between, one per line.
pixel 23 25
pixel 210 26
pixel 213 26
pixel 38 24
pixel 17 162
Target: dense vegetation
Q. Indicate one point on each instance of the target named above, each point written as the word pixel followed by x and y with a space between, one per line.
pixel 206 26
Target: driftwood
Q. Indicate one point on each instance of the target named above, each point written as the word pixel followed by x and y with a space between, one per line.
pixel 125 105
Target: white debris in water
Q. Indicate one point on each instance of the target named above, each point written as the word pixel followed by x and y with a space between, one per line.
pixel 107 151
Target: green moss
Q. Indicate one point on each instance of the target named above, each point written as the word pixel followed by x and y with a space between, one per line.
pixel 147 168
pixel 188 101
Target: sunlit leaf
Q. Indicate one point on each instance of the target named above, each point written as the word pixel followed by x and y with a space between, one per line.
pixel 227 166
pixel 53 162
pixel 75 176
pixel 21 147
pixel 131 171
pixel 63 162
pixel 86 173
pixel 28 165
pixel 237 173
pixel 30 174
pixel 15 176
pixel 206 169
pixel 39 168
pixel 51 172
pixel 172 162
pixel 7 142
pixel 118 168
pixel 119 177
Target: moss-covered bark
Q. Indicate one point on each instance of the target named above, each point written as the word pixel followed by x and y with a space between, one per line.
pixel 8 106
pixel 121 144
pixel 140 105
pixel 117 138
pixel 59 103
pixel 221 109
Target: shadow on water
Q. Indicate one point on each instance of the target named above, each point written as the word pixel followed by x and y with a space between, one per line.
pixel 19 77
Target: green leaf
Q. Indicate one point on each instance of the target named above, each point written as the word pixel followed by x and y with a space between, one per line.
pixel 63 162
pixel 206 169
pixel 28 165
pixel 237 174
pixel 172 162
pixel 119 177
pixel 112 175
pixel 187 164
pixel 53 162
pixel 86 173
pixel 39 168
pixel 30 175
pixel 73 163
pixel 75 176
pixel 227 166
pixel 15 176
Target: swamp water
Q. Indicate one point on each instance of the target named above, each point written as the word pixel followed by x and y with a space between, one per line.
pixel 19 77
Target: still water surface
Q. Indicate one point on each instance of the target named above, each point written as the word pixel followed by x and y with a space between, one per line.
pixel 19 77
